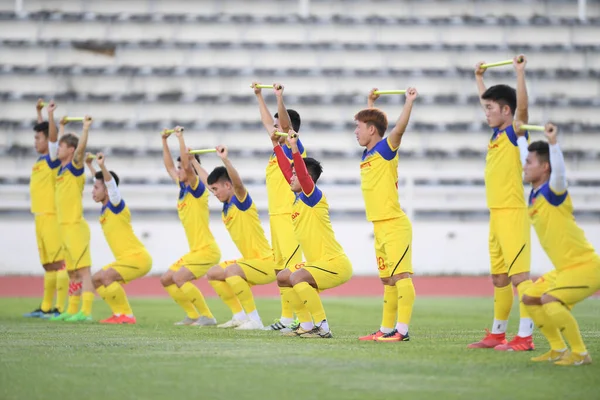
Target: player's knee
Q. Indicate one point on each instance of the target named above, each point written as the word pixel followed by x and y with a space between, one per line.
pixel 546 298
pixel 109 276
pixel 531 301
pixel 299 277
pixel 97 279
pixel 283 278
pixel 182 276
pixel 500 280
pixel 517 279
pixel 167 279
pixel 216 273
pixel 233 270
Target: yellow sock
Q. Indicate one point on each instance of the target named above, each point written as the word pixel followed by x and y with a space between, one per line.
pixel 101 290
pixel 117 296
pixel 406 300
pixel 295 303
pixel 523 286
pixel 390 307
pixel 310 297
pixel 74 301
pixel 547 327
pixel 226 294
pixel 503 301
pixel 566 323
pixel 88 302
pixel 242 291
pixel 62 289
pixel 49 288
pixel 193 294
pixel 286 307
pixel 181 299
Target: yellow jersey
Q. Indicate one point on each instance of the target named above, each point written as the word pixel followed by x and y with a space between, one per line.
pixel 312 227
pixel 243 224
pixel 379 182
pixel 42 185
pixel 116 225
pixel 69 193
pixel 552 217
pixel 504 171
pixel 279 195
pixel 192 208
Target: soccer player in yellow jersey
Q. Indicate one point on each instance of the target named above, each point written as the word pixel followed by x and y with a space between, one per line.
pixel 392 228
pixel 74 229
pixel 132 260
pixel 327 265
pixel 286 249
pixel 509 237
pixel 232 280
pixel 41 189
pixel 577 265
pixel 192 208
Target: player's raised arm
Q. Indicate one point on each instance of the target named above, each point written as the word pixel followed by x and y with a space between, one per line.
pixel 521 141
pixel 52 132
pixel 38 108
pixel 192 178
pixel 285 124
pixel 202 173
pixel 395 136
pixel 89 158
pixel 236 180
pixel 372 98
pixel 81 146
pixel 111 186
pixel 304 178
pixel 265 115
pixel 282 160
pixel 522 112
pixel 479 80
pixel 558 176
pixel 167 158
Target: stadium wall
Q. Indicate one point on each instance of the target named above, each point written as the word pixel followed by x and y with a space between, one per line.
pixel 440 248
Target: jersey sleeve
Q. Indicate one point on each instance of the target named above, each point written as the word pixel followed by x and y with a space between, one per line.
pixel 314 198
pixel 197 188
pixel 114 196
pixel 513 137
pixel 288 150
pixel 284 163
pixel 243 204
pixel 304 178
pixel 558 176
pixel 385 149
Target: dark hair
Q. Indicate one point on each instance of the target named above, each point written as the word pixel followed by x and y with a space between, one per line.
pixel 41 127
pixel 196 156
pixel 541 149
pixel 99 176
pixel 70 139
pixel 373 117
pixel 504 95
pixel 314 168
pixel 218 174
pixel 294 119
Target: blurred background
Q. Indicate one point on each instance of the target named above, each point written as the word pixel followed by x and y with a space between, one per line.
pixel 138 66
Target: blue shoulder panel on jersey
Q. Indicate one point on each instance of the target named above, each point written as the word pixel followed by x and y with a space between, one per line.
pixel 288 150
pixel 199 191
pixel 550 196
pixel 52 164
pixel 181 190
pixel 383 148
pixel 242 205
pixel 75 171
pixel 314 198
pixel 115 209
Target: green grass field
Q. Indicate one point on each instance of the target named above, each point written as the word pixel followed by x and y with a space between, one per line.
pixel 156 360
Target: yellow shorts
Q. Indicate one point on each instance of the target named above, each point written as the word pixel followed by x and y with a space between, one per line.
pixel 198 262
pixel 258 272
pixel 76 244
pixel 509 241
pixel 393 246
pixel 541 285
pixel 49 242
pixel 285 247
pixel 330 273
pixel 132 267
pixel 577 283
